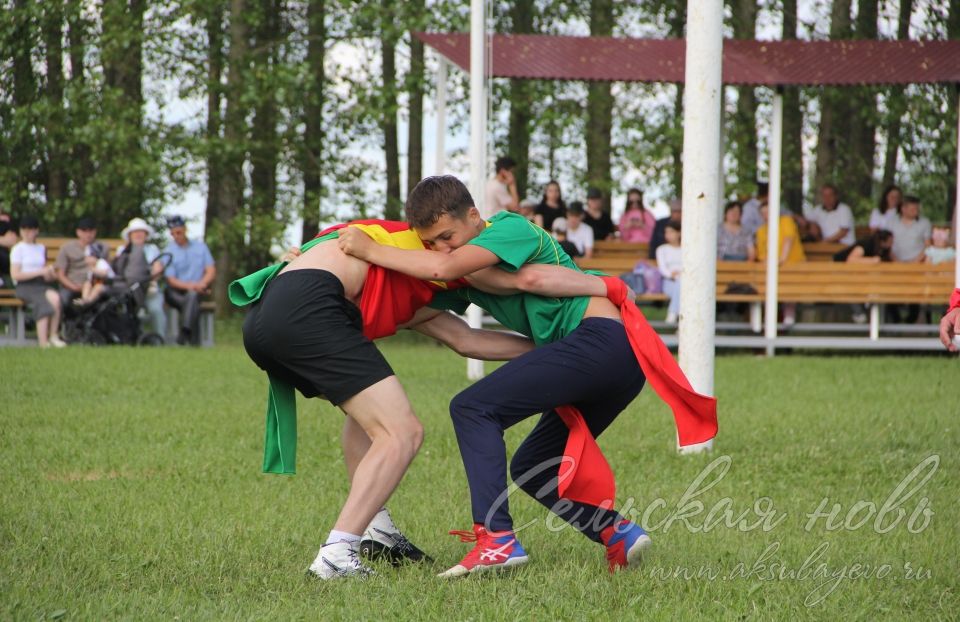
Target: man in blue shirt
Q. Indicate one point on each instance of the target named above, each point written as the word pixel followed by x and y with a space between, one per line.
pixel 189 276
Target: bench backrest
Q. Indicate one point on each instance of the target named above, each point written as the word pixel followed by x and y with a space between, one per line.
pixel 54 244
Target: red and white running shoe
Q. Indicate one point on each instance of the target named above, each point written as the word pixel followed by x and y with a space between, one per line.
pixel 494 550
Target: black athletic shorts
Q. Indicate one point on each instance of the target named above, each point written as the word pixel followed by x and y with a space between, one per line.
pixel 305 332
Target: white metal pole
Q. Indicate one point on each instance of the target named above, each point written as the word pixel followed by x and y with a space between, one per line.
pixel 700 192
pixel 478 147
pixel 773 223
pixel 441 148
pixel 956 207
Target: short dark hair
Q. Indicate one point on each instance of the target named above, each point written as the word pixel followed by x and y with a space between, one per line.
pixel 673 224
pixel 504 162
pixel 435 196
pixel 575 208
pixel 729 206
pixel 910 199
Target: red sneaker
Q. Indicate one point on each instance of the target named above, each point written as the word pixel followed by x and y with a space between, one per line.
pixel 495 550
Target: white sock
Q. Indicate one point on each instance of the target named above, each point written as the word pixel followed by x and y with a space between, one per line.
pixel 383 522
pixel 342 536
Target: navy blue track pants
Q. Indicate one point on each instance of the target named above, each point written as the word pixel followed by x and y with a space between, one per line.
pixel 592 368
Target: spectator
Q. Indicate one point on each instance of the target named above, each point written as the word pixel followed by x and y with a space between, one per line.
pixel 501 192
pixel 527 207
pixel 8 237
pixel 871 249
pixel 911 235
pixel 72 264
pixel 911 232
pixel 637 222
pixel 599 220
pixel 940 250
pixel 578 232
pixel 28 266
pixel 790 248
pixel 189 276
pixel 883 215
pixel 670 265
pixel 551 206
pixel 138 268
pixel 560 235
pixel 658 230
pixel 831 221
pixel 750 216
pixel 734 242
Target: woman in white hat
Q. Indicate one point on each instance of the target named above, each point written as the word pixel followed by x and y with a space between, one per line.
pixel 137 262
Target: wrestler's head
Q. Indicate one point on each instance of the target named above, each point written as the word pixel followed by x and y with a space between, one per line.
pixel 442 212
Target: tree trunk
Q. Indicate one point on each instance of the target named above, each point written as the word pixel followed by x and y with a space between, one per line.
pixel 311 161
pixel 600 110
pixel 55 158
pixel 214 28
pixel 393 209
pixel 831 102
pixel 81 164
pixel 896 103
pixel 744 132
pixel 792 169
pixel 415 87
pixel 227 232
pixel 122 53
pixel 518 139
pixel 863 113
pixel 24 94
pixel 264 151
pixel 676 23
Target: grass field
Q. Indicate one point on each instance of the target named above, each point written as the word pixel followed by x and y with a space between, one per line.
pixel 130 489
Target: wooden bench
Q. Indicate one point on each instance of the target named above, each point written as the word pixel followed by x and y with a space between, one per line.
pixel 14 309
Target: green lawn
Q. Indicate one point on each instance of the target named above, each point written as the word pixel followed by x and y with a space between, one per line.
pixel 130 489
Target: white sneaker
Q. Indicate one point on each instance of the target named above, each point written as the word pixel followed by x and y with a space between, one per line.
pixel 338 560
pixel 57 342
pixel 382 539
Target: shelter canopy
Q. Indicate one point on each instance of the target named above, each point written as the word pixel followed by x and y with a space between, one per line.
pixel 746 62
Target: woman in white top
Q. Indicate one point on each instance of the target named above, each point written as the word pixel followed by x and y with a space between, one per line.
pixel 28 267
pixel 888 210
pixel 670 265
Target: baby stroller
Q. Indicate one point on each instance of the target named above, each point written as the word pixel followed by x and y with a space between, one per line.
pixel 115 319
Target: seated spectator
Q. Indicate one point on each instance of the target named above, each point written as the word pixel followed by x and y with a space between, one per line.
pixel 637 222
pixel 831 221
pixel 8 237
pixel 871 249
pixel 790 249
pixel 189 276
pixel 551 206
pixel 527 207
pixel 72 260
pixel 28 266
pixel 658 237
pixel 911 232
pixel 889 209
pixel 501 190
pixel 596 218
pixel 138 270
pixel 940 250
pixel 750 217
pixel 578 232
pixel 734 242
pixel 670 265
pixel 560 235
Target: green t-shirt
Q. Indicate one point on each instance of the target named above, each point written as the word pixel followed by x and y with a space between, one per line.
pixel 517 241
